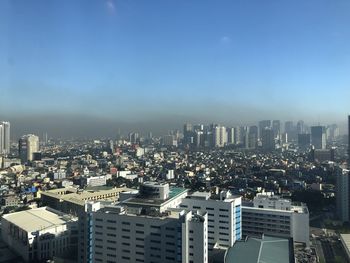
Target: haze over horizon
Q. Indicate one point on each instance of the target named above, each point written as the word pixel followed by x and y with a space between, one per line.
pixel 91 67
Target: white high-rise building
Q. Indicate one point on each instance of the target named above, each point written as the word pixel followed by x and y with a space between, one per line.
pixel 343 194
pixel 144 228
pixel 5 137
pixel 28 144
pixel 220 136
pixel 224 217
pixel 159 223
pixel 231 135
pixel 272 215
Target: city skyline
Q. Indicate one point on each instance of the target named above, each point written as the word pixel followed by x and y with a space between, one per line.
pixel 128 61
pixel 82 128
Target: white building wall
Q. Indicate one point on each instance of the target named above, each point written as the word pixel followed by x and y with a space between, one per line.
pixel 138 238
pixel 224 224
pixel 300 228
pixel 283 223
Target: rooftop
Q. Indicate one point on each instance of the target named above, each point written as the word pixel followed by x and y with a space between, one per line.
pixel 173 193
pixel 254 250
pixel 79 197
pixel 38 219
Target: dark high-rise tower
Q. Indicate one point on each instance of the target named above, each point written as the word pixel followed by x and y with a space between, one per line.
pixel 262 125
pixel 318 137
pixel 348 140
pixel 276 127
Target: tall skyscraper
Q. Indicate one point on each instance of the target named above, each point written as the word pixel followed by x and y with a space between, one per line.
pixel 343 194
pixel 276 127
pixel 300 127
pixel 253 137
pixel 134 137
pixel 290 129
pixel 268 140
pixel 349 141
pixel 262 125
pixel 27 145
pixel 188 133
pixel 231 135
pixel 239 135
pixel 4 137
pixel 304 140
pixel 220 136
pixel 318 137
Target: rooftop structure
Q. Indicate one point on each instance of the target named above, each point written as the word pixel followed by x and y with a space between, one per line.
pixel 267 249
pixel 38 219
pixel 71 200
pixel 150 198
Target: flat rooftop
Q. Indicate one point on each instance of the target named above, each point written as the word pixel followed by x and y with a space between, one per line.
pixel 38 219
pixel 79 197
pixel 173 193
pixel 254 250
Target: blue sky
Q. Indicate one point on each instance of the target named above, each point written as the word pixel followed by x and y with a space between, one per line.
pixel 137 59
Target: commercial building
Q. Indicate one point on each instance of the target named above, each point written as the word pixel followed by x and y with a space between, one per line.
pixel 318 137
pixel 224 217
pixel 252 141
pixel 28 144
pixel 263 125
pixel 290 130
pixel 304 141
pixel 40 234
pixel 188 133
pixel 268 139
pixel 144 228
pixel 322 155
pixel 220 136
pixel 343 194
pixel 169 140
pixel 231 135
pixel 271 215
pixel 276 127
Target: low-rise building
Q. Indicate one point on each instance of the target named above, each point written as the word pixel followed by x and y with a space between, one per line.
pixel 39 234
pixel 72 201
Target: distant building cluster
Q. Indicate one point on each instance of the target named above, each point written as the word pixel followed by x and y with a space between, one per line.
pixel 267 135
pixel 207 194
